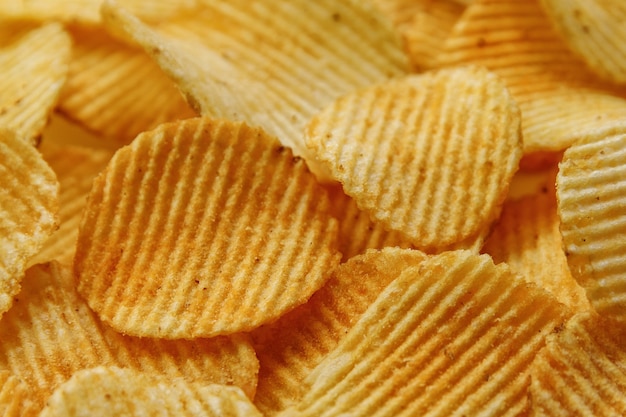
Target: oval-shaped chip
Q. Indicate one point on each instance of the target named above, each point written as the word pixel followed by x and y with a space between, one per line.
pixel 203 227
pixel 429 155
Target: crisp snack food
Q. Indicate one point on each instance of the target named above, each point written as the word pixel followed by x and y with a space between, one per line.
pixel 292 346
pixel 591 191
pixel 126 392
pixel 50 333
pixel 34 67
pixel 595 31
pixel 528 239
pixel 116 89
pixel 581 371
pixel 313 52
pixel 455 335
pixel 29 208
pixel 203 227
pixel 411 150
pixel 14 399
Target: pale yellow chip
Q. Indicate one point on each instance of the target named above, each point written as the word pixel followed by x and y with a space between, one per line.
pixel 581 371
pixel 424 26
pixel 50 333
pixel 591 191
pixel 75 168
pixel 29 205
pixel 33 68
pixel 203 227
pixel 113 391
pixel 595 31
pixel 270 63
pixel 429 155
pixel 556 92
pixel 453 336
pixel 116 90
pixel 528 239
pixel 291 347
pixel 88 11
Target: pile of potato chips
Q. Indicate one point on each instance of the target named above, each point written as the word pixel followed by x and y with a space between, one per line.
pixel 297 208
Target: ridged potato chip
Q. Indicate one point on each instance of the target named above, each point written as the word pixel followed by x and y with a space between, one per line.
pixel 269 63
pixel 87 12
pixel 424 26
pixel 581 371
pixel 50 333
pixel 528 239
pixel 428 155
pixel 453 336
pixel 113 391
pixel 33 68
pixel 292 346
pixel 203 227
pixel 29 206
pixel 75 168
pixel 556 92
pixel 595 31
pixel 117 90
pixel 591 191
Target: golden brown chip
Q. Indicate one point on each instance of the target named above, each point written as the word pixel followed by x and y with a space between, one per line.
pixel 591 191
pixel 116 90
pixel 33 69
pixel 270 63
pixel 50 333
pixel 14 397
pixel 291 347
pixel 113 391
pixel 424 26
pixel 581 371
pixel 428 155
pixel 556 92
pixel 203 227
pixel 595 31
pixel 528 239
pixel 453 336
pixel 75 167
pixel 29 208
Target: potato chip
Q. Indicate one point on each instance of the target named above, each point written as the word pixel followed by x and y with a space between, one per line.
pixel 291 347
pixel 14 399
pixel 88 11
pixel 556 92
pixel 418 158
pixel 581 371
pixel 595 31
pixel 29 208
pixel 50 333
pixel 203 227
pixel 453 336
pixel 33 69
pixel 270 63
pixel 112 391
pixel 75 167
pixel 116 90
pixel 424 26
pixel 357 232
pixel 528 239
pixel 591 191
